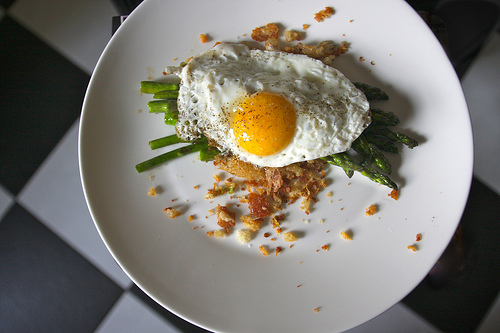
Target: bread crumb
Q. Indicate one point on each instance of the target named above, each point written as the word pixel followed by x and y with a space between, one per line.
pixel 291 36
pixel 325 247
pixel 361 59
pixel 191 218
pixel 226 219
pixel 316 310
pixel 172 212
pixel 262 34
pixel 220 233
pixel 203 38
pixel 217 178
pixel 345 235
pixel 412 248
pixel 210 233
pixel 152 192
pixel 264 251
pixel 323 14
pixel 419 237
pixel 329 194
pixel 278 250
pixel 251 223
pixel 244 236
pixel 371 210
pixel 394 194
pixel 289 237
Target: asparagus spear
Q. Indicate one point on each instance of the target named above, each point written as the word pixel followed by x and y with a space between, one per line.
pixel 371 154
pixel 160 105
pixel 381 142
pixel 381 117
pixel 155 161
pixel 166 94
pixel 371 93
pixel 394 136
pixel 165 141
pixel 209 154
pixel 152 87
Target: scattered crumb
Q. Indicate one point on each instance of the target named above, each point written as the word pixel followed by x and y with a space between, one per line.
pixel 316 309
pixel 251 223
pixel 323 14
pixel 326 247
pixel 203 38
pixel 191 218
pixel 172 212
pixel 262 34
pixel 351 21
pixel 264 250
pixel 210 233
pixel 289 237
pixel 394 194
pixel 244 236
pixel 152 192
pixel 291 36
pixel 372 62
pixel 196 187
pixel 278 250
pixel 217 178
pixel 419 237
pixel 225 218
pixel 361 59
pixel 412 248
pixel 345 235
pixel 329 194
pixel 267 234
pixel 321 221
pixel 371 210
pixel 305 26
pixel 220 233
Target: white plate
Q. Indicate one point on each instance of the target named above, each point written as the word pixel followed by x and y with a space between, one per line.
pixel 221 285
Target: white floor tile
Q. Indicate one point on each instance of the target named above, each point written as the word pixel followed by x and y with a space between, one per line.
pixel 491 322
pixel 6 200
pixel 480 85
pixel 77 29
pixel 399 319
pixel 55 196
pixel 131 315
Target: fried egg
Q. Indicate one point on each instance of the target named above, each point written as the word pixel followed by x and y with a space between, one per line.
pixel 268 108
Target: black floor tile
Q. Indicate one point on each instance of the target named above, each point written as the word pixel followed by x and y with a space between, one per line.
pixel 462 287
pixel 45 286
pixel 181 324
pixel 41 95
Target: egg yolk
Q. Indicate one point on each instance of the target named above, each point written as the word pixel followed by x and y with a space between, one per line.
pixel 264 123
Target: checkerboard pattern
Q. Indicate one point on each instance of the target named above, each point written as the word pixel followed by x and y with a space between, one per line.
pixel 56 275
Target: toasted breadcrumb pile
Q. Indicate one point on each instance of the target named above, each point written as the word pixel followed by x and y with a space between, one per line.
pixel 323 14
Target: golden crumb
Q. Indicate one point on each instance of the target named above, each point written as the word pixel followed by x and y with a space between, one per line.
pixel 361 59
pixel 278 250
pixel 371 210
pixel 291 35
pixel 152 192
pixel 419 237
pixel 412 248
pixel 329 194
pixel 316 310
pixel 196 187
pixel 225 218
pixel 217 178
pixel 325 247
pixel 394 194
pixel 262 34
pixel 345 235
pixel 244 236
pixel 210 233
pixel 191 218
pixel 323 14
pixel 372 62
pixel 219 233
pixel 251 223
pixel 289 237
pixel 203 38
pixel 305 26
pixel 263 250
pixel 172 212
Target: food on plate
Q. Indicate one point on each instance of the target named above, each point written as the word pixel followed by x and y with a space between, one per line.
pixel 276 117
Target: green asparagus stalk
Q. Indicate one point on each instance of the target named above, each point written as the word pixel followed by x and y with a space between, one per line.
pixel 163 158
pixel 371 93
pixel 152 87
pixel 394 136
pixel 209 154
pixel 381 142
pixel 165 141
pixel 381 117
pixel 166 94
pixel 160 105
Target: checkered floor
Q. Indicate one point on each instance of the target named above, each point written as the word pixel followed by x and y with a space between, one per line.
pixel 56 274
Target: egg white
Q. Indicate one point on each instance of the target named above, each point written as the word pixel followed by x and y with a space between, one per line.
pixel 331 111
